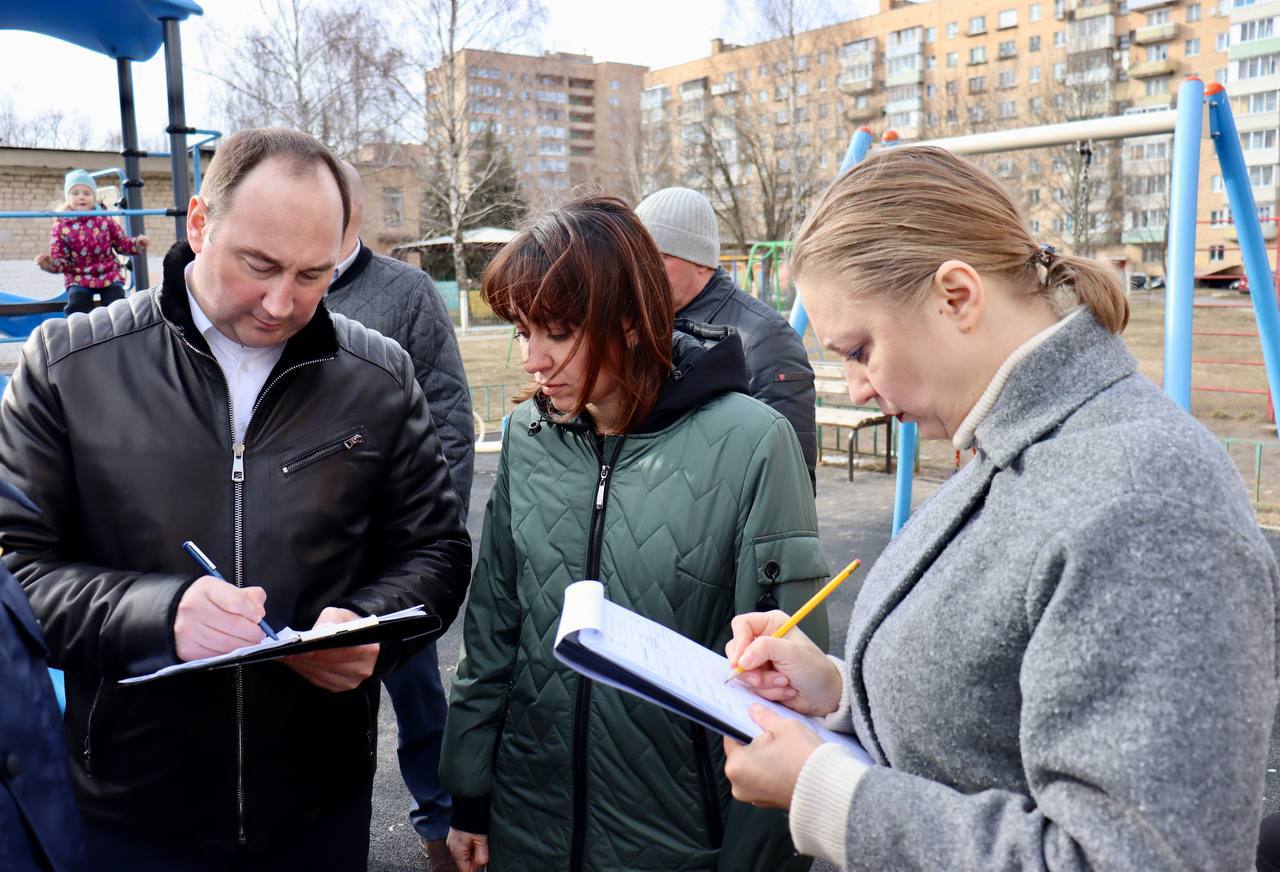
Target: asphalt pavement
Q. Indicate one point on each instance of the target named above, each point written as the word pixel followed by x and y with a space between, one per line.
pixel 854 519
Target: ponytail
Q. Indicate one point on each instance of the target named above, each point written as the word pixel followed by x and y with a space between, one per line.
pixel 1093 285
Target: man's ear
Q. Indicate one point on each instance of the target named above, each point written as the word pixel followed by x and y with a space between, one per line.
pixel 197 223
pixel 959 294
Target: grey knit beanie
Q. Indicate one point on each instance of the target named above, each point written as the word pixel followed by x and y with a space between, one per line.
pixel 683 224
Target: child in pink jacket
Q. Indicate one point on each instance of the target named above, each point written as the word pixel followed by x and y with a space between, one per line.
pixel 84 249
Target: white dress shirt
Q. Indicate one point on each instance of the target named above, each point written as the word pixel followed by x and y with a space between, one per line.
pixel 346 264
pixel 245 368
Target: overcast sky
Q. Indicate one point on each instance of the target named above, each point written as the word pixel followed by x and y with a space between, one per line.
pixel 39 72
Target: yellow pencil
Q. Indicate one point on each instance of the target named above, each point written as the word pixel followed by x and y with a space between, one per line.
pixel 803 611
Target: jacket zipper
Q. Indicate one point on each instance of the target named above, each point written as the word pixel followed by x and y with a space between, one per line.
pixel 582 698
pixel 317 454
pixel 237 492
pixel 88 729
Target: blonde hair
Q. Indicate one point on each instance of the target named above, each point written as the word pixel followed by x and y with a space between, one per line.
pixel 897 216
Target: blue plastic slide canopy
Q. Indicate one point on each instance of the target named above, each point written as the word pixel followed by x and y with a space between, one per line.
pixel 117 28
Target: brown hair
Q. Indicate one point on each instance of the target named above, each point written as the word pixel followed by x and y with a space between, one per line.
pixel 243 150
pixel 897 216
pixel 591 267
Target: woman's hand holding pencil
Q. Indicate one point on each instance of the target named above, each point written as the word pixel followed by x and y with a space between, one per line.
pixel 781 663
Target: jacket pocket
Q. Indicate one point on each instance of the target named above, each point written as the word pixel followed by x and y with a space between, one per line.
pixel 300 461
pixel 786 557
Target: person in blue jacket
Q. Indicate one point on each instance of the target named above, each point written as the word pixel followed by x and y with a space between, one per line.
pixel 39 825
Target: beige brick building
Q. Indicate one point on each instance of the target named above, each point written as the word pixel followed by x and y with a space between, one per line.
pixel 566 118
pixel 762 128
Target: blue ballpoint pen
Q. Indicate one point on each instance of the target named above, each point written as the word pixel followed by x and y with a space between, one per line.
pixel 207 565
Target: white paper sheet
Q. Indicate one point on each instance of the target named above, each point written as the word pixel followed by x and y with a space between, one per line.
pixel 667 659
pixel 287 636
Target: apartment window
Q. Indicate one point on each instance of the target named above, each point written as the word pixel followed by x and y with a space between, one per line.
pixel 1033 44
pixel 1152 254
pixel 1192 48
pixel 822 110
pixel 1007 18
pixel 1215 184
pixel 1033 196
pixel 953 30
pixel 1256 139
pixel 1264 102
pixel 822 58
pixel 931 35
pixel 930 91
pixel 614 85
pixel 781 116
pixel 1034 224
pixel 1224 41
pixel 1008 108
pixel 1217 253
pixel 1158 52
pixel 1218 218
pixel 764 70
pixel 764 96
pixel 552 96
pixel 977 84
pixel 1007 49
pixel 1160 16
pixel 822 84
pixel 930 62
pixel 1008 78
pixel 1263 28
pixel 1262 177
pixel 953 58
pixel 1033 75
pixel 1059 72
pixel 953 87
pixel 1254 68
pixel 1193 12
pixel 392 206
pixel 977 25
pixel 1004 168
pixel 1059 39
pixel 977 113
pixel 978 55
pixel 1158 85
pixel 1220 76
pixel 548 132
pixel 802 88
pixel 1033 12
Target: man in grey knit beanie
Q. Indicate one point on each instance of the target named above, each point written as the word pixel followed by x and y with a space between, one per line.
pixel 684 226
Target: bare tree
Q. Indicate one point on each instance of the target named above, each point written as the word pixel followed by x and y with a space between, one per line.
pixel 329 71
pixel 439 31
pixel 645 147
pixel 51 129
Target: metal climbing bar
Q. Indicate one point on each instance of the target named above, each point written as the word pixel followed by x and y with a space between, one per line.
pixel 1180 266
pixel 1253 248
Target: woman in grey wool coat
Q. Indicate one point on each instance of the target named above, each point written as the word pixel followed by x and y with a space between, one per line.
pixel 1067 658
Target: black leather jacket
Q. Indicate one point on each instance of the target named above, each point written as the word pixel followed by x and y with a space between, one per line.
pixel 778 369
pixel 118 425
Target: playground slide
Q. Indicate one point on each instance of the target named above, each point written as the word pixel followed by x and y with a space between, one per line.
pixel 21 323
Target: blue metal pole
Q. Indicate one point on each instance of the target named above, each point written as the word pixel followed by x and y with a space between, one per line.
pixel 1180 265
pixel 95 213
pixel 859 144
pixel 1253 250
pixel 908 434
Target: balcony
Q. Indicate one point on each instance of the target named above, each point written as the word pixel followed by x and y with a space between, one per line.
pixel 903 50
pixel 857 86
pixel 912 104
pixel 724 88
pixel 1149 69
pixel 1140 5
pixel 1152 102
pixel 1092 9
pixel 1155 33
pixel 906 77
pixel 1143 235
pixel 1268 231
pixel 1253 48
pixel 857 115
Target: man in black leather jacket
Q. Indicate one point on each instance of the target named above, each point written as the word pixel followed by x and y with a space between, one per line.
pixel 229 407
pixel 683 224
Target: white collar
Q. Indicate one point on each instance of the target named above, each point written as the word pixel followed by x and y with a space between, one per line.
pixel 346 263
pixel 963 438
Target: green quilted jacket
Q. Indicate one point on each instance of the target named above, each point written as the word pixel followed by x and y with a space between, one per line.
pixel 704 512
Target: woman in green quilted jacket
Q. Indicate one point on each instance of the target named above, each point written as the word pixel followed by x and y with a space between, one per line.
pixel 638 460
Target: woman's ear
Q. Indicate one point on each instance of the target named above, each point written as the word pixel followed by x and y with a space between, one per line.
pixel 959 294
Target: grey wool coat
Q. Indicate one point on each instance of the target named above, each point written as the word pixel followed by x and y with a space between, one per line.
pixel 401 302
pixel 1067 659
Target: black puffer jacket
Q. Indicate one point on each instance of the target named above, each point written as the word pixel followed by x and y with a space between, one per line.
pixel 778 370
pixel 118 425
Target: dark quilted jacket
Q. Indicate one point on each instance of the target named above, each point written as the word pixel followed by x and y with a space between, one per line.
pixel 778 370
pixel 704 510
pixel 401 302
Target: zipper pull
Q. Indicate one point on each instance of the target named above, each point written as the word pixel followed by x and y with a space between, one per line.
pixel 353 440
pixel 604 477
pixel 237 462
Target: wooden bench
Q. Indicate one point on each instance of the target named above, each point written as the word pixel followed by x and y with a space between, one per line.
pixel 829 382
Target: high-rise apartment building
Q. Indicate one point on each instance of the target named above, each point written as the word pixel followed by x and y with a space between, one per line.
pixel 563 117
pixel 761 128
